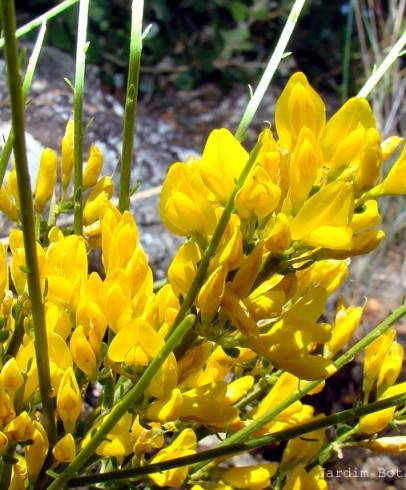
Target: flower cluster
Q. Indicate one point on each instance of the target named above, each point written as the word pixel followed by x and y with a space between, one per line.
pixel 307 204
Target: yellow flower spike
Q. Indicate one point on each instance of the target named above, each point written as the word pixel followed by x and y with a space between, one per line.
pixel 246 275
pixel 7 205
pixel 370 164
pixel 238 313
pixel 368 218
pixel 82 352
pixel 222 162
pixel 69 400
pixel 299 105
pixel 347 321
pixel 331 207
pixel 395 181
pixel 300 479
pixel 239 388
pixel 93 167
pixel 255 477
pixel 21 428
pixel 166 409
pixel 64 450
pixel 259 196
pixel 3 443
pixel 354 113
pixel 377 421
pixel 185 206
pixel 388 445
pixel 183 267
pixel 183 445
pixel 305 161
pixel 36 452
pixel 46 179
pixel 7 412
pixel 375 354
pixel 301 450
pixel 390 369
pixel 11 378
pixel 211 293
pixel 67 155
pixel 390 146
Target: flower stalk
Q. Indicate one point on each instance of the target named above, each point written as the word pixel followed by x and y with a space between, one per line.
pixel 270 70
pixel 29 74
pixel 78 116
pixel 255 443
pixel 130 110
pixel 27 214
pixel 125 403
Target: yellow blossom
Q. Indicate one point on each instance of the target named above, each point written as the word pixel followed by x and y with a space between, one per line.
pixel 64 450
pixel 300 479
pixel 93 167
pixel 82 352
pixel 347 321
pixel 11 378
pixel 69 400
pixel 46 179
pixel 255 477
pixel 36 452
pixel 7 412
pixel 67 154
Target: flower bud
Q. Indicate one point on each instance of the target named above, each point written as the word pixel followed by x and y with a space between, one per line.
pixel 69 400
pixel 67 155
pixel 21 428
pixel 7 412
pixel 46 179
pixel 10 376
pixel 390 369
pixel 65 449
pixel 82 352
pixel 212 292
pixel 93 167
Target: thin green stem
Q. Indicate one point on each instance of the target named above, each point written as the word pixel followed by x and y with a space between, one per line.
pixel 33 24
pixel 27 214
pixel 128 401
pixel 32 63
pixel 131 104
pixel 345 358
pixel 325 453
pixel 78 94
pixel 209 455
pixel 377 74
pixel 18 333
pixel 270 70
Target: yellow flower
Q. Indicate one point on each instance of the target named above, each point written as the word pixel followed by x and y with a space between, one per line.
pixel 69 400
pixel 369 217
pixel 375 355
pixel 93 167
pixel 82 352
pixel 7 412
pixel 46 179
pixel 239 388
pixel 389 445
pixel 277 234
pixel 324 218
pixel 21 428
pixel 390 368
pixel 183 267
pixel 395 181
pixel 370 164
pixel 222 162
pixel 300 479
pixel 11 378
pixel 98 200
pixel 36 452
pixel 347 320
pixel 259 196
pixel 67 154
pixel 166 409
pixel 3 442
pixel 390 146
pixel 255 477
pixel 377 421
pixel 298 106
pixel 64 450
pixel 302 450
pixel 183 445
pixel 246 275
pixel 7 204
pixel 185 205
pixel 211 293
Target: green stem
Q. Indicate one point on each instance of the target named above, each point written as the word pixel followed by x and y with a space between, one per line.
pixel 131 104
pixel 325 454
pixel 121 407
pixel 345 358
pixel 209 455
pixel 377 74
pixel 78 94
pixel 270 70
pixel 18 333
pixel 27 214
pixel 32 63
pixel 215 240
